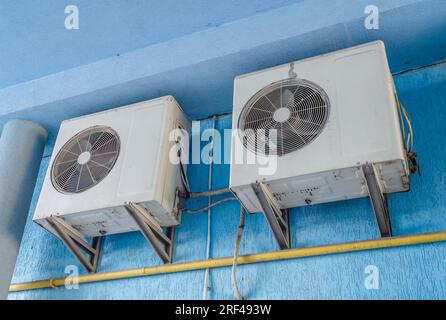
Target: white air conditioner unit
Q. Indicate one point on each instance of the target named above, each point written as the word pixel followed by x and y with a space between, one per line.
pixel 332 114
pixel 103 161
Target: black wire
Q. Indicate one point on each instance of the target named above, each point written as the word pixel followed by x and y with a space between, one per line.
pixel 210 193
pixel 184 180
pixel 211 205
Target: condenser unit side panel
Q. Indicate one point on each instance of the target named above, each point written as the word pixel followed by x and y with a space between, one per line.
pixel 169 179
pixel 369 128
pixel 173 180
pixel 141 163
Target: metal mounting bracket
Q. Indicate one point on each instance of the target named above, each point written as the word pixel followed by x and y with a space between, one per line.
pixel 77 244
pixel 278 219
pixel 378 200
pixel 161 242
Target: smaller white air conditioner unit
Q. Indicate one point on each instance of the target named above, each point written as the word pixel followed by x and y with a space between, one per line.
pixel 105 161
pixel 332 114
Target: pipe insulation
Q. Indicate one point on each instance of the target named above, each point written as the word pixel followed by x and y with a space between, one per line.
pixel 21 148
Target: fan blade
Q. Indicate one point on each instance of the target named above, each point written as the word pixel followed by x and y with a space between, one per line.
pixel 71 182
pixel 105 147
pixel 85 179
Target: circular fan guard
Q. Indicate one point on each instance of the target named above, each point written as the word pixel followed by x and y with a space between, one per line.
pixel 284 117
pixel 85 160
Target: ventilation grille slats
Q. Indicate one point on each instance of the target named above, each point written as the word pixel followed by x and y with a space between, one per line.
pixel 284 117
pixel 85 160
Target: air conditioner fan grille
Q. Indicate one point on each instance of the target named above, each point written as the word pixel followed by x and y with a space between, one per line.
pixel 284 117
pixel 85 160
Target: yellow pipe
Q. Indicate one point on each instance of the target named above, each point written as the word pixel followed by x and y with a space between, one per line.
pixel 246 259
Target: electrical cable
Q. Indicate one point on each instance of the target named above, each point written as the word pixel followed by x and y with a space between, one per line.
pixel 186 185
pixel 209 193
pixel 238 239
pixel 184 179
pixel 206 285
pixel 408 138
pixel 213 204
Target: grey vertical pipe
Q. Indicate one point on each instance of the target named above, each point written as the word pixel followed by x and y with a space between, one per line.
pixel 21 148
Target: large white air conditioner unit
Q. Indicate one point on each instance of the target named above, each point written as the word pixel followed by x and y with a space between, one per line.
pixel 332 114
pixel 103 162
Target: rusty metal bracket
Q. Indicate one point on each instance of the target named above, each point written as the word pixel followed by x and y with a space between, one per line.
pixel 378 200
pixel 278 219
pixel 77 244
pixel 162 242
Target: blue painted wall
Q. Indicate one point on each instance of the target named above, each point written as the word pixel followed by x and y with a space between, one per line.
pixel 35 42
pixel 415 36
pixel 409 272
pixel 198 68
